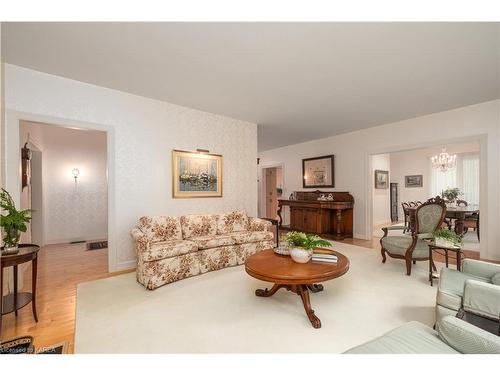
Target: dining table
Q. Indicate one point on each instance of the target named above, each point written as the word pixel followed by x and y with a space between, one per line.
pixel 457 213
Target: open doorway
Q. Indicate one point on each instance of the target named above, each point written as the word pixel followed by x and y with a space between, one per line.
pixel 64 182
pixel 412 179
pixel 273 190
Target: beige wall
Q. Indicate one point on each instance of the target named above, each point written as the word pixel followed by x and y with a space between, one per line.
pixel 381 197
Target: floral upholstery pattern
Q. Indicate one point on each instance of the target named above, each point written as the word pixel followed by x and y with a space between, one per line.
pixel 428 217
pixel 209 242
pixel 234 221
pixel 259 225
pixel 246 237
pixel 216 259
pixel 141 240
pixel 161 228
pixel 167 249
pixel 199 249
pixel 198 225
pixel 400 244
pixel 157 273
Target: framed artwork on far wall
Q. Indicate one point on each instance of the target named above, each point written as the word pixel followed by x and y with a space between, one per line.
pixel 196 174
pixel 416 180
pixel 318 172
pixel 381 179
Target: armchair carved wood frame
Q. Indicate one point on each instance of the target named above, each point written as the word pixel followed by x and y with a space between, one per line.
pixel 412 248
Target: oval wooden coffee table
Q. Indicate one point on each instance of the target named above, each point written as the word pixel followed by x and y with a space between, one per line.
pixel 296 277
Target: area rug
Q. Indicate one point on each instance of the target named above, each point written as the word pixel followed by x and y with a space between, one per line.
pixel 218 312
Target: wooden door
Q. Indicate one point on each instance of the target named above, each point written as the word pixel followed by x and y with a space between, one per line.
pixel 271 196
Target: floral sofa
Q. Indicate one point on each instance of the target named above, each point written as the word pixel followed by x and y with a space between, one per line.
pixel 171 248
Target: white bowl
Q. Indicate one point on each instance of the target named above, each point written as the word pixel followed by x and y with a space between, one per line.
pixel 300 255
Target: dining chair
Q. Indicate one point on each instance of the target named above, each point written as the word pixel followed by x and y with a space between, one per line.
pixel 428 217
pixel 406 214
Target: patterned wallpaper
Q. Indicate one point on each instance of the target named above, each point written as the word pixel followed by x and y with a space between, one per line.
pixel 142 134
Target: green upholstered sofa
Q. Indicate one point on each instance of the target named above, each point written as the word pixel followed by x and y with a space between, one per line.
pixel 476 288
pixel 452 336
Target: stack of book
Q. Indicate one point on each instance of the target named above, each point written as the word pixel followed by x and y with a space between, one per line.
pixel 324 258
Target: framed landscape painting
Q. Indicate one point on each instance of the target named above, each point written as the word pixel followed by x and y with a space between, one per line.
pixel 414 181
pixel 196 174
pixel 381 179
pixel 318 172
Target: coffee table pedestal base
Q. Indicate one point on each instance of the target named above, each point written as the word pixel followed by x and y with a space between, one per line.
pixel 303 291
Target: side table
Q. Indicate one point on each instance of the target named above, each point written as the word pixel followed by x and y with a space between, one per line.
pixel 433 247
pixel 15 301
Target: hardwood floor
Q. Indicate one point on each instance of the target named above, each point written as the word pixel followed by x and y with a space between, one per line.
pixel 60 269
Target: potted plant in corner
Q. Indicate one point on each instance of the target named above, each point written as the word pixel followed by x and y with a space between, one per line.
pixel 302 245
pixel 451 194
pixel 447 238
pixel 12 222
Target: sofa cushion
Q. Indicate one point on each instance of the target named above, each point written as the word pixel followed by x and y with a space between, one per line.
pixel 198 225
pixel 234 221
pixel 410 338
pixel 247 237
pixel 168 249
pixel 209 242
pixel 161 228
pixel 451 287
pixel 466 338
pixel 496 279
pixel 399 245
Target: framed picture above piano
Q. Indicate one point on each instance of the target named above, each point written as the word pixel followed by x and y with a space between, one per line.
pixel 318 172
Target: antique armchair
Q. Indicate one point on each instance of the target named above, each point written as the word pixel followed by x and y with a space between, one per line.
pixel 428 217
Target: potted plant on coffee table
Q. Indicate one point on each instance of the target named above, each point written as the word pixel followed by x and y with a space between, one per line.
pixel 12 222
pixel 447 238
pixel 302 245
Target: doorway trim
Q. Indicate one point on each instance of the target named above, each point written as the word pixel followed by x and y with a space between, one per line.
pixel 12 160
pixel 262 185
pixel 483 177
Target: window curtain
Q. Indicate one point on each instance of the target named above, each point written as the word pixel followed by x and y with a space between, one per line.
pixel 470 178
pixel 465 176
pixel 442 180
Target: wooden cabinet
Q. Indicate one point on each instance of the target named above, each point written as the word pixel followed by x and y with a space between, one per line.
pixel 311 220
pixel 394 202
pixel 310 215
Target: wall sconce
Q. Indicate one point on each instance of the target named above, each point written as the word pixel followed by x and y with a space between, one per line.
pixel 76 173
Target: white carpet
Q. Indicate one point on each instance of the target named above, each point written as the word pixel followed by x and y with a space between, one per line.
pixel 218 312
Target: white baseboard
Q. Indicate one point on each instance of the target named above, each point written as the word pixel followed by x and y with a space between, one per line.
pixel 126 265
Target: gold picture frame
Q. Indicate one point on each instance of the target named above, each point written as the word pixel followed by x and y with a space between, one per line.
pixel 196 174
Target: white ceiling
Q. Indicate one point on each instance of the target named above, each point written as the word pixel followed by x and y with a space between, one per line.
pixel 298 81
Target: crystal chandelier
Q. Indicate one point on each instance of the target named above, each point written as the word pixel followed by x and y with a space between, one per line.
pixel 444 161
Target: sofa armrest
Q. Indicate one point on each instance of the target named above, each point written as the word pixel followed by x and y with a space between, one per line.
pixel 140 239
pixel 480 268
pixel 482 298
pixel 466 338
pixel 259 225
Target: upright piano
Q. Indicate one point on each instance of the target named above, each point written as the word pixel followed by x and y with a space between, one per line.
pixel 311 215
